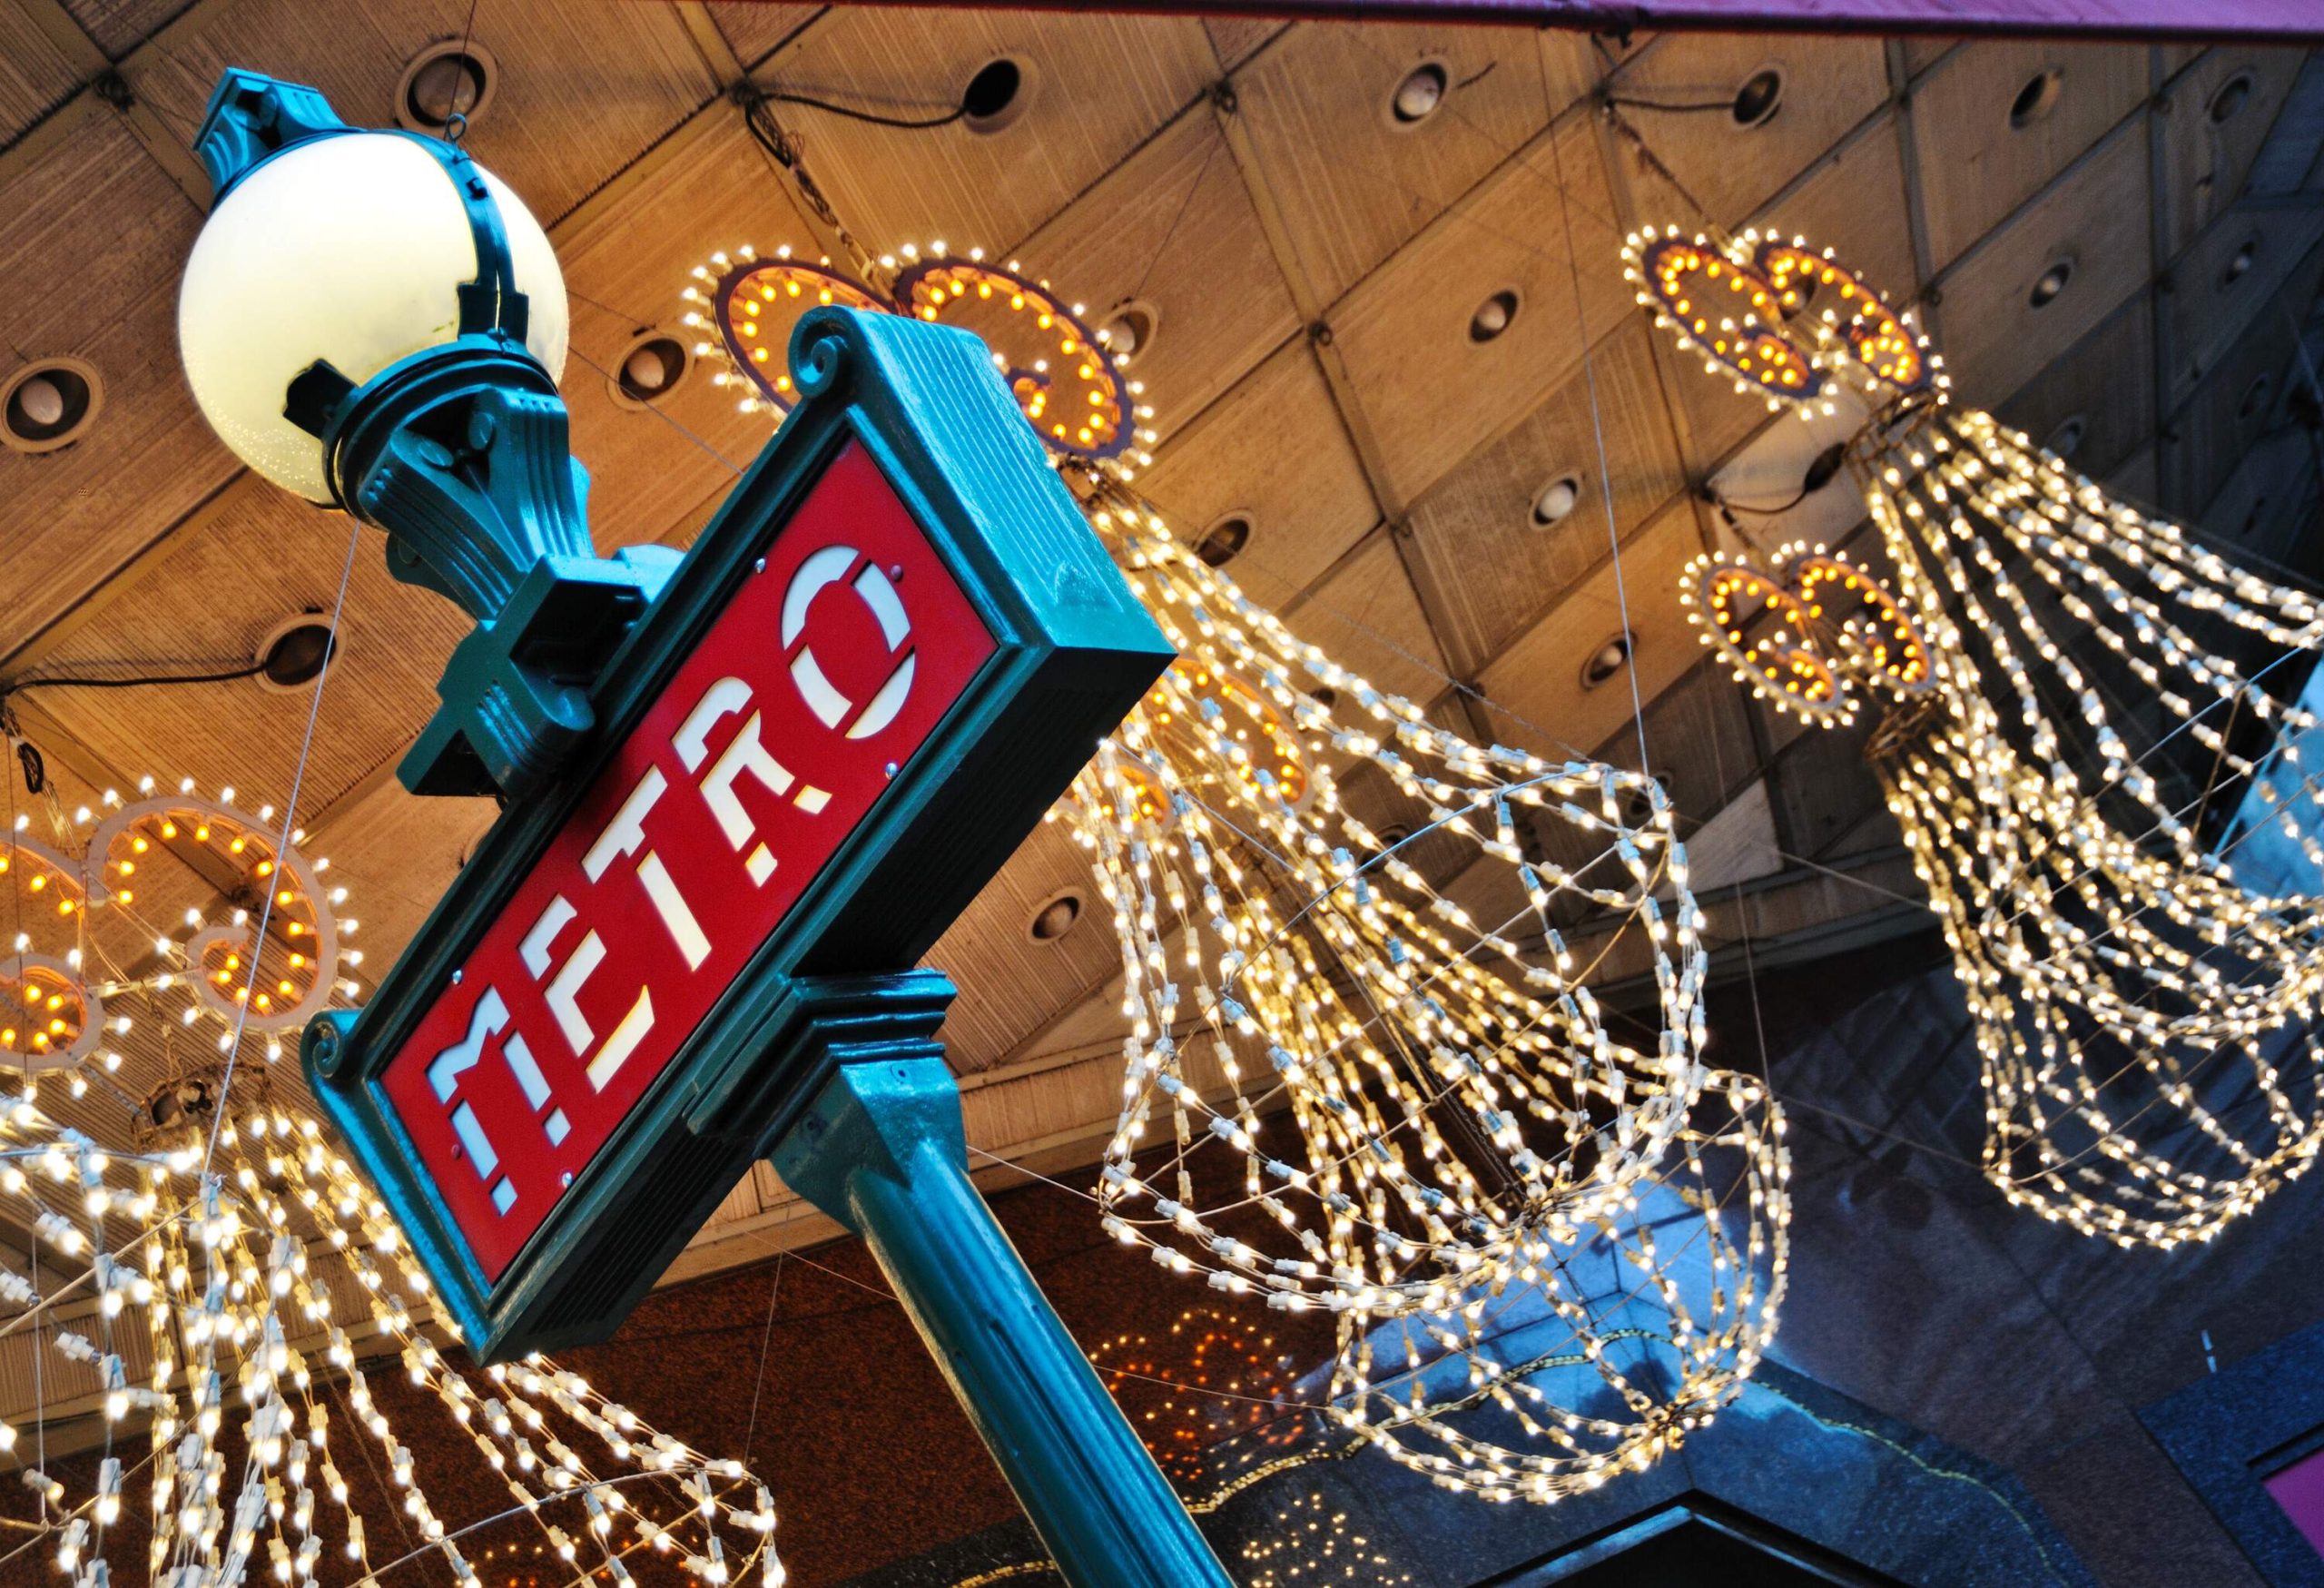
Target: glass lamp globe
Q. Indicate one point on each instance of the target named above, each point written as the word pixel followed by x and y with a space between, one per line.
pixel 348 249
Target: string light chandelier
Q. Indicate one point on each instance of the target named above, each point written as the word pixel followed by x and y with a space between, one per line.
pixel 1460 1117
pixel 258 1260
pixel 177 904
pixel 2142 1013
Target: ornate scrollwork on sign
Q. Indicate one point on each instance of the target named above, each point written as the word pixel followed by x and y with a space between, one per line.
pixel 1781 318
pixel 1836 623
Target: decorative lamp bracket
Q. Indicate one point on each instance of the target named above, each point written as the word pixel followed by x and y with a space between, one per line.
pixel 251 116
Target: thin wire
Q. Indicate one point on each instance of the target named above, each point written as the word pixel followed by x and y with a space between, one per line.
pixel 290 825
pixel 1185 204
pixel 853 115
pixel 1687 107
pixel 766 1340
pixel 1605 469
pixel 153 681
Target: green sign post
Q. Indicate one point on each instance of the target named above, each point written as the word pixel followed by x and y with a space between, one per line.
pixel 745 789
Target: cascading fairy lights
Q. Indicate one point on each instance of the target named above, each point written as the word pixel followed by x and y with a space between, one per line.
pixel 2143 1018
pixel 263 1282
pixel 1462 1118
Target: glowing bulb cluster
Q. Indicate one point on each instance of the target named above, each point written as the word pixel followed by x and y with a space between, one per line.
pixel 1424 1105
pixel 261 1274
pixel 2145 1018
pixel 157 904
pixel 1068 383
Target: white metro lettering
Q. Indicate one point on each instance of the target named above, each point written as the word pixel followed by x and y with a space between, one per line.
pixel 744 753
pixel 876 591
pixel 445 1071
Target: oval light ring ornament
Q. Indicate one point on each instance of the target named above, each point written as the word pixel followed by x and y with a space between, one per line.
pixel 1068 384
pixel 752 303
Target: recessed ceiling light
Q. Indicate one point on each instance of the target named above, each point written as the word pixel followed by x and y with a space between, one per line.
pixel 1420 93
pixel 2240 266
pixel 1324 696
pixel 1057 915
pixel 1129 329
pixel 2037 99
pixel 449 80
pixel 997 95
pixel 1555 501
pixel 2049 283
pixel 1492 317
pixel 2229 98
pixel 2066 439
pixel 1759 98
pixel 1224 540
pixel 294 651
pixel 48 404
pixel 1605 662
pixel 650 370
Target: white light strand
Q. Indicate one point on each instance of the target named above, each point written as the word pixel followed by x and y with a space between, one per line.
pixel 1462 1120
pixel 241 1275
pixel 2143 1018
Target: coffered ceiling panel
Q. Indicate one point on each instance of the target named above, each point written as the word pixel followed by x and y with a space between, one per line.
pixel 1731 166
pixel 1173 229
pixel 753 31
pixel 94 237
pixel 2090 225
pixel 2099 396
pixel 1535 687
pixel 119 25
pixel 2238 400
pixel 35 76
pixel 1013 982
pixel 1352 178
pixel 1485 515
pixel 626 258
pixel 2267 489
pixel 581 90
pixel 1092 88
pixel 2216 116
pixel 1275 452
pixel 2233 273
pixel 1365 616
pixel 1430 388
pixel 2001 117
pixel 206 602
pixel 1764 486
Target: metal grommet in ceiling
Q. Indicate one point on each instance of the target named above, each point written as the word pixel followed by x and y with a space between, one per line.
pixel 450 80
pixel 1055 916
pixel 295 651
pixel 1127 330
pixel 1224 540
pixel 651 366
pixel 2037 98
pixel 49 404
pixel 1419 95
pixel 1760 97
pixel 998 94
pixel 1494 316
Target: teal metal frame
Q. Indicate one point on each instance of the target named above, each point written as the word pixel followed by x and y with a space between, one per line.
pixel 821 1052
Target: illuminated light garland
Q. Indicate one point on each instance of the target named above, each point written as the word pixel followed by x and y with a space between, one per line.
pixel 1463 1122
pixel 2143 1017
pixel 245 1277
pixel 1313 1543
pixel 1067 381
pixel 751 303
pixel 1877 637
pixel 160 899
pixel 1465 1119
pixel 1215 1377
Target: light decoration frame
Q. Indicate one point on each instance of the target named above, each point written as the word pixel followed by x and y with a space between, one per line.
pixel 2144 1020
pixel 253 1257
pixel 938 284
pixel 1461 1118
pixel 85 928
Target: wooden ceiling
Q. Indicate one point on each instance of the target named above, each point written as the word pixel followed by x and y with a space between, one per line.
pixel 1314 265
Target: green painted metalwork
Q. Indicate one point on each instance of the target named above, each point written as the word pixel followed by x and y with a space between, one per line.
pixel 821 1050
pixel 881 1148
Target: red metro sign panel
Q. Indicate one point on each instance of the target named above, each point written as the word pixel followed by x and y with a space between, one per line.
pixel 783 730
pixel 888 653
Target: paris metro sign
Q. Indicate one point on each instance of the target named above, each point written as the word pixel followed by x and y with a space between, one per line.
pixel 889 651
